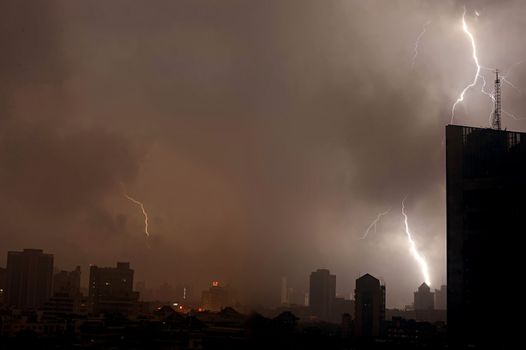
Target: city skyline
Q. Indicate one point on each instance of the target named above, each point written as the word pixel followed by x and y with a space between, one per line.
pixel 45 305
pixel 260 140
pixel 65 281
pixel 32 282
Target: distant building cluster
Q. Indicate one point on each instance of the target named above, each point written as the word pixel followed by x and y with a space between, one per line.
pixel 51 303
pixel 30 283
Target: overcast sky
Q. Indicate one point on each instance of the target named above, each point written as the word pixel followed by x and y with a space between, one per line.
pixel 263 137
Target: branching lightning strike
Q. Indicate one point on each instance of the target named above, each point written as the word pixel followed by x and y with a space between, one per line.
pixel 478 74
pixel 374 223
pixel 505 76
pixel 417 43
pixel 414 251
pixel 476 77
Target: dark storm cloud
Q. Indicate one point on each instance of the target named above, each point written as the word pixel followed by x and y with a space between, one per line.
pixel 263 137
pixel 55 174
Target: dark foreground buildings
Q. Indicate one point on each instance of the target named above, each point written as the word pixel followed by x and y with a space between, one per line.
pixel 486 210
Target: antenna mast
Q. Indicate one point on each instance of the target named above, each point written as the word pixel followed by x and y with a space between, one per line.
pixel 495 121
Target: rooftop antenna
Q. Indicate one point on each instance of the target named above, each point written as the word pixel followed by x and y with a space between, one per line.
pixel 495 121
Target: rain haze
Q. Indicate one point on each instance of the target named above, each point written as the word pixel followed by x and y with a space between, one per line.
pixel 262 137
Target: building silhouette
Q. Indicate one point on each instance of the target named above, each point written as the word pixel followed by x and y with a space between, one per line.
pixel 341 306
pixel 441 298
pixel 424 299
pixel 145 294
pixel 322 293
pixel 61 304
pixel 66 293
pixel 111 289
pixel 215 298
pixel 369 297
pixel 29 278
pixel 297 297
pixel 346 326
pixel 486 191
pixel 67 282
pixel 3 284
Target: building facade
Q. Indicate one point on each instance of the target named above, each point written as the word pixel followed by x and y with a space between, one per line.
pixel 369 297
pixel 67 282
pixel 424 299
pixel 322 293
pixel 29 281
pixel 486 192
pixel 111 289
pixel 3 285
pixel 215 298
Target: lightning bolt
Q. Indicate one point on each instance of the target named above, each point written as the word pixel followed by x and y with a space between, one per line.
pixel 492 96
pixel 471 38
pixel 478 75
pixel 505 80
pixel 140 205
pixel 511 115
pixel 414 251
pixel 512 67
pixel 417 43
pixel 144 213
pixel 374 223
pixel 519 91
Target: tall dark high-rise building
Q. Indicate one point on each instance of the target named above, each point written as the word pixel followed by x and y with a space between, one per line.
pixel 3 284
pixel 322 293
pixel 111 289
pixel 486 202
pixel 369 298
pixel 29 278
